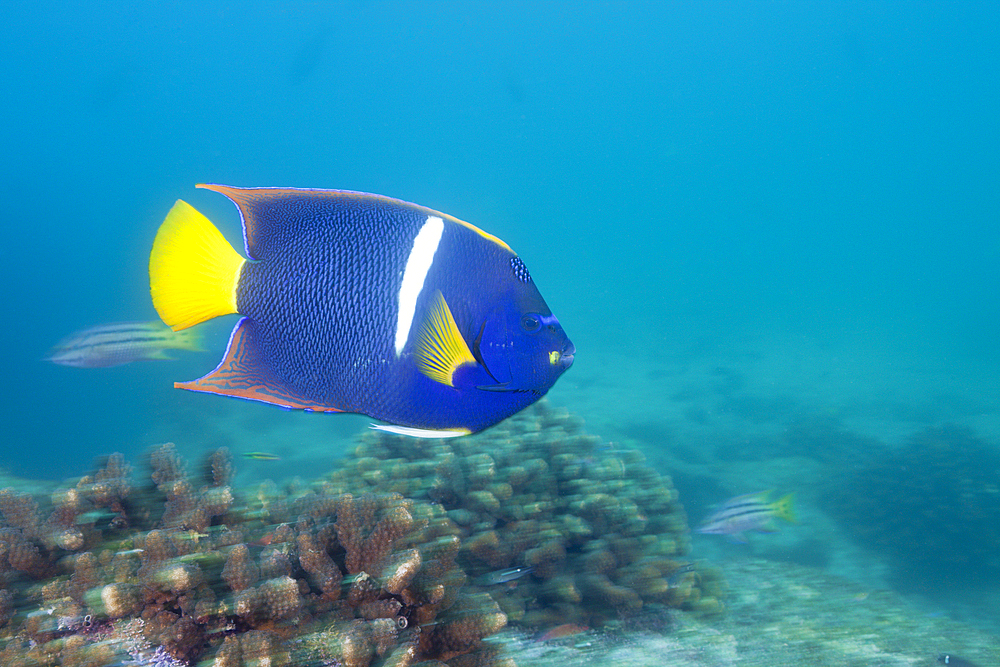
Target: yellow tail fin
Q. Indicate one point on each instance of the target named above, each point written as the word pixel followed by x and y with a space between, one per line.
pixel 783 508
pixel 193 270
pixel 187 340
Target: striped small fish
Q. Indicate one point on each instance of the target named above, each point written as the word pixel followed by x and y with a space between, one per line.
pixel 261 456
pixel 747 512
pixel 120 343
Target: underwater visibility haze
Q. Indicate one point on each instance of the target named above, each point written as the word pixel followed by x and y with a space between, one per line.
pixel 769 229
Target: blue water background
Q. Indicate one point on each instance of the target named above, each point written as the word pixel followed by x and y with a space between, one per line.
pixel 801 199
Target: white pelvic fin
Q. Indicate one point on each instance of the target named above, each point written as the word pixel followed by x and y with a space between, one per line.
pixel 421 432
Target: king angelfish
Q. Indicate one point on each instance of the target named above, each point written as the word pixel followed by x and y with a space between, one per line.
pixel 354 302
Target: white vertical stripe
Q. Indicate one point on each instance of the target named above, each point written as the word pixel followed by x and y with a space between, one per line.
pixel 417 266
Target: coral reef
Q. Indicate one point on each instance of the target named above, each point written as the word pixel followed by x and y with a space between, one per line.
pixel 931 506
pixel 598 533
pixel 184 570
pixel 412 551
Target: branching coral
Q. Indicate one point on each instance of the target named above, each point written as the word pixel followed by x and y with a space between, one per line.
pixel 21 545
pixel 389 561
pixel 538 492
pixel 240 571
pixel 174 573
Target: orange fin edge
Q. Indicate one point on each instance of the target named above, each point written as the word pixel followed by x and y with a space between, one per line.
pixel 240 374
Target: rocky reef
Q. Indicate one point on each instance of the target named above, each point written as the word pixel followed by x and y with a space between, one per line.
pixel 930 505
pixel 403 555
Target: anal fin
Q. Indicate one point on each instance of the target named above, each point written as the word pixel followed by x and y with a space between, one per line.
pixel 243 374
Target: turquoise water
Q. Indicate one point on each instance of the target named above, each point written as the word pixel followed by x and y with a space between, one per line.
pixel 747 216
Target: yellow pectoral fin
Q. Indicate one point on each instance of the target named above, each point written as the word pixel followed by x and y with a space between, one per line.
pixel 441 350
pixel 193 270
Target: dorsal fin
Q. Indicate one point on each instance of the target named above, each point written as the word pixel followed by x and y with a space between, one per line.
pixel 265 212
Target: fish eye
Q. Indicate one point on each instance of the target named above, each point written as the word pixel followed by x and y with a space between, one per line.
pixel 531 323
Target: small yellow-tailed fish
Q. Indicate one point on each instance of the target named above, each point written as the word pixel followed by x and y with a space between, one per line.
pixel 119 343
pixel 261 456
pixel 355 302
pixel 748 512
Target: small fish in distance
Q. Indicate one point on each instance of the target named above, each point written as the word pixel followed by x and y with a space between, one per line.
pixel 505 576
pixel 955 661
pixel 355 302
pixel 261 456
pixel 119 343
pixel 560 631
pixel 747 512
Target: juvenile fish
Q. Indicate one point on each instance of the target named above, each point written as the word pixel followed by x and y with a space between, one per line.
pixel 747 512
pixel 505 576
pixel 261 456
pixel 119 343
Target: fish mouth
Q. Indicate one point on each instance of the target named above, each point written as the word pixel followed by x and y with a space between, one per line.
pixel 566 356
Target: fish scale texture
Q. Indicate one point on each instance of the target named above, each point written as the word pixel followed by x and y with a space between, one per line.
pixel 324 306
pixel 321 303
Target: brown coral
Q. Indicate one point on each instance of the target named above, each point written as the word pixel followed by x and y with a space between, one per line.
pixel 400 570
pixel 121 599
pixel 537 491
pixel 463 628
pixel 282 598
pixel 109 487
pixel 322 571
pixel 86 575
pixel 367 541
pixel 6 606
pixel 20 511
pixel 306 573
pixel 218 467
pixel 240 572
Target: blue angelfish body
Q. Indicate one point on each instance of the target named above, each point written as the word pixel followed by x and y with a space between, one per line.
pixel 360 303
